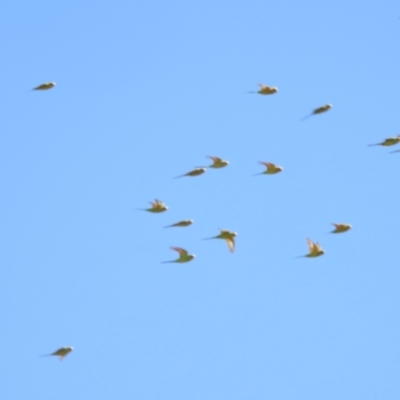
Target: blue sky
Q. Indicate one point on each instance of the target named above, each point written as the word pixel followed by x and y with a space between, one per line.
pixel 145 91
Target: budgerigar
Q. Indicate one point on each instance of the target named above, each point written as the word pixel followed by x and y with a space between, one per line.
pixel 266 89
pixel 45 86
pixel 340 228
pixel 194 172
pixel 228 236
pixel 186 222
pixel 388 142
pixel 270 168
pixel 184 256
pixel 315 249
pixel 319 110
pixel 60 353
pixel 157 206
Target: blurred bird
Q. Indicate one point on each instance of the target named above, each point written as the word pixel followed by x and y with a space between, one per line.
pixel 218 162
pixel 271 168
pixel 156 207
pixel 318 110
pixel 45 86
pixel 194 172
pixel 388 142
pixel 315 249
pixel 60 353
pixel 186 222
pixel 339 228
pixel 228 236
pixel 265 89
pixel 184 256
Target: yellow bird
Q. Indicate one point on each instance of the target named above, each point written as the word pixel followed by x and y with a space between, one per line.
pixel 157 206
pixel 186 222
pixel 270 168
pixel 184 256
pixel 266 89
pixel 218 162
pixel 194 172
pixel 228 236
pixel 319 110
pixel 61 353
pixel 45 86
pixel 340 228
pixel 388 142
pixel 315 249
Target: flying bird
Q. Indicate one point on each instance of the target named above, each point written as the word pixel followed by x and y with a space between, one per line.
pixel 228 236
pixel 184 256
pixel 270 168
pixel 45 86
pixel 186 222
pixel 218 162
pixel 388 142
pixel 315 249
pixel 60 353
pixel 157 206
pixel 318 110
pixel 340 228
pixel 194 172
pixel 266 89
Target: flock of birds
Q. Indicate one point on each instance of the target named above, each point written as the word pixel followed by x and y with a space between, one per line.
pixel 157 206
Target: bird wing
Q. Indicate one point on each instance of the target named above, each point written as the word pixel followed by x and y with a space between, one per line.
pixel 182 252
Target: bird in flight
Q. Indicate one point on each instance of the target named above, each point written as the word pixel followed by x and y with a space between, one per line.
pixel 388 142
pixel 266 89
pixel 315 249
pixel 186 222
pixel 218 162
pixel 157 206
pixel 45 86
pixel 340 228
pixel 184 256
pixel 61 353
pixel 194 172
pixel 270 168
pixel 318 110
pixel 228 236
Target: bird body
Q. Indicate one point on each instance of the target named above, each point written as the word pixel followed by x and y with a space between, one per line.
pixel 184 256
pixel 271 168
pixel 61 352
pixel 340 228
pixel 157 206
pixel 45 86
pixel 315 249
pixel 228 236
pixel 194 172
pixel 319 110
pixel 186 222
pixel 218 162
pixel 266 89
pixel 388 142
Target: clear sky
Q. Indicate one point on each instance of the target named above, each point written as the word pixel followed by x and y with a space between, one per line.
pixel 145 91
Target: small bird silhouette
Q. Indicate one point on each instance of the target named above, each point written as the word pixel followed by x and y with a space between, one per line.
pixel 61 353
pixel 315 249
pixel 340 228
pixel 186 222
pixel 45 86
pixel 194 172
pixel 271 168
pixel 318 110
pixel 218 162
pixel 228 236
pixel 388 142
pixel 266 89
pixel 184 256
pixel 157 206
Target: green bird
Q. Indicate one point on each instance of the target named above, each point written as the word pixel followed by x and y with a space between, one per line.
pixel 318 110
pixel 228 236
pixel 184 256
pixel 388 142
pixel 194 172
pixel 270 168
pixel 45 86
pixel 218 162
pixel 157 206
pixel 183 223
pixel 315 249
pixel 264 90
pixel 340 228
pixel 61 353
